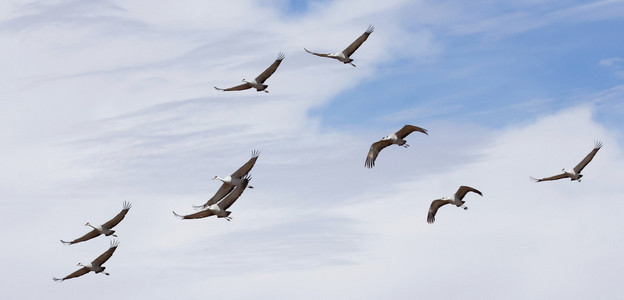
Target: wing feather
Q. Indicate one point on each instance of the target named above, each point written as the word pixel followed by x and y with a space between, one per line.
pixel 239 87
pixel 463 190
pixel 358 42
pixel 374 150
pixel 271 69
pixel 433 209
pixel 222 192
pixel 114 221
pixel 91 234
pixel 197 215
pixel 106 255
pixel 77 273
pixel 244 169
pixel 407 129
pixel 316 53
pixel 234 195
pixel 560 176
pixel 588 158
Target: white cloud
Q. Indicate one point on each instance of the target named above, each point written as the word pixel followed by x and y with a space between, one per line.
pixel 608 62
pixel 123 109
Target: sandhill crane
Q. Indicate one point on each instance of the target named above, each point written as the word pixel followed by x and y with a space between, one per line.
pixel 220 208
pixel 104 228
pixel 229 182
pixel 394 138
pixel 95 265
pixel 257 83
pixel 345 55
pixel 574 174
pixel 453 199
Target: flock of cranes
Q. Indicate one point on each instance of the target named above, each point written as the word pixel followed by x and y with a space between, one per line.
pixel 235 184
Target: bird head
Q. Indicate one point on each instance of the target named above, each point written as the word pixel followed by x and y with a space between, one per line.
pixel 215 178
pixel 88 224
pixel 80 264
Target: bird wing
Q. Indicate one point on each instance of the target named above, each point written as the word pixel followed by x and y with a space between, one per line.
pixel 91 234
pixel 317 54
pixel 433 209
pixel 77 273
pixel 233 196
pixel 375 148
pixel 114 221
pixel 271 69
pixel 356 44
pixel 407 129
pixel 242 171
pixel 560 176
pixel 197 215
pixel 239 87
pixel 106 255
pixel 463 190
pixel 588 158
pixel 222 192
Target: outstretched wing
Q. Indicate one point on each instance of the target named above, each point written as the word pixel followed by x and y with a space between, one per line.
pixel 235 194
pixel 106 255
pixel 357 43
pixel 463 190
pixel 78 273
pixel 271 69
pixel 407 129
pixel 223 190
pixel 197 215
pixel 560 176
pixel 316 53
pixel 588 158
pixel 433 209
pixel 374 150
pixel 91 234
pixel 240 87
pixel 242 171
pixel 114 221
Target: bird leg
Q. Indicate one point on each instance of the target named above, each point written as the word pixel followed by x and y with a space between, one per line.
pixel 352 64
pixel 266 91
pixel 228 218
pixel 405 145
pixel 464 207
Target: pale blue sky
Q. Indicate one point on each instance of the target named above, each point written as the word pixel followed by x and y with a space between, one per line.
pixel 111 101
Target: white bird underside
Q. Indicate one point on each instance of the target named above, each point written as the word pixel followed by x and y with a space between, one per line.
pixel 575 173
pixel 234 179
pixel 395 138
pixel 104 227
pixel 220 209
pixel 345 55
pixel 456 199
pixel 257 83
pixel 95 265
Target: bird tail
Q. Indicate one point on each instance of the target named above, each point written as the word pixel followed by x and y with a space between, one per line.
pixel 66 243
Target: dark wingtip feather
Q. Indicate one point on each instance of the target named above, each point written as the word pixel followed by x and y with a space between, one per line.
pixel 597 144
pixel 281 56
pixel 370 29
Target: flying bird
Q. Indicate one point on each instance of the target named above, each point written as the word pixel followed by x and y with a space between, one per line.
pixel 394 138
pixel 220 208
pixel 231 181
pixel 95 265
pixel 345 55
pixel 104 228
pixel 574 174
pixel 453 199
pixel 257 83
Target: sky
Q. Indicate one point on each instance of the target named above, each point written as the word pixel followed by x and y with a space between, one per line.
pixel 110 101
